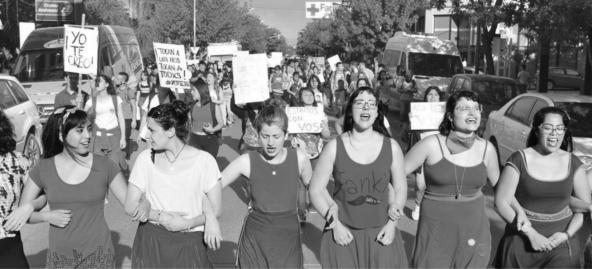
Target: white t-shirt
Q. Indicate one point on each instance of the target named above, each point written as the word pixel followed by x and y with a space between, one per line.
pixel 177 191
pixel 105 118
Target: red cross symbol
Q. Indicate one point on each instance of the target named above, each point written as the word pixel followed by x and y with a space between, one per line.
pixel 313 9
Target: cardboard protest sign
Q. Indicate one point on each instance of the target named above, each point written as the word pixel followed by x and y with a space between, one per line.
pixel 319 61
pixel 333 60
pixel 250 78
pixel 305 119
pixel 426 115
pixel 81 49
pixel 172 66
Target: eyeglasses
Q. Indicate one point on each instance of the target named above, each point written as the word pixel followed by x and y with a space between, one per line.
pixel 548 128
pixel 466 109
pixel 362 103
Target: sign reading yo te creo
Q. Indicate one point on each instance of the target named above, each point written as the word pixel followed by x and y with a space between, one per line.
pixel 305 119
pixel 81 49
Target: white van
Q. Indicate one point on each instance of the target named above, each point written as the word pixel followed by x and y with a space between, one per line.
pixel 429 60
pixel 40 65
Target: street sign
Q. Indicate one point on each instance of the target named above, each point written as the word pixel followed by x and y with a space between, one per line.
pixel 319 10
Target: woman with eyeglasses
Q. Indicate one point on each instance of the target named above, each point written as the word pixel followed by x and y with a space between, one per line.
pixel 543 177
pixel 453 229
pixel 367 166
pixel 76 182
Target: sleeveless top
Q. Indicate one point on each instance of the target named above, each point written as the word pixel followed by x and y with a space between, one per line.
pixel 144 88
pixel 361 190
pixel 443 177
pixel 542 196
pixel 199 116
pixel 274 187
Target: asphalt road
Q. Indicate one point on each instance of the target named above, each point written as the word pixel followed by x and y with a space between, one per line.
pixel 234 210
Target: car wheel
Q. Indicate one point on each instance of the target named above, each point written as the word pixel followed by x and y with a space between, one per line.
pixel 550 85
pixel 32 148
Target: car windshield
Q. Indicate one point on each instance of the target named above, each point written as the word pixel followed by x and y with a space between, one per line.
pixel 581 118
pixel 495 92
pixel 43 65
pixel 435 65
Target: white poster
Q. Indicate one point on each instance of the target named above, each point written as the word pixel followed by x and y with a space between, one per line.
pixel 250 78
pixel 81 49
pixel 333 60
pixel 305 119
pixel 275 59
pixel 426 115
pixel 172 66
pixel 25 28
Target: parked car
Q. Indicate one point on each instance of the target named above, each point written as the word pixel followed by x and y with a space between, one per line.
pixel 23 114
pixel 508 127
pixel 563 78
pixel 494 91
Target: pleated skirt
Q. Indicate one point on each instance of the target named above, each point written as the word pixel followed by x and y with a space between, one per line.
pixel 452 234
pixel 155 247
pixel 270 240
pixel 363 252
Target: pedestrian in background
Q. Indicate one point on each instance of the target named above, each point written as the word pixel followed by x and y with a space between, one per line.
pixel 181 184
pixel 543 177
pixel 142 93
pixel 227 93
pixel 69 95
pixel 206 122
pixel 361 234
pixel 128 108
pixel 271 233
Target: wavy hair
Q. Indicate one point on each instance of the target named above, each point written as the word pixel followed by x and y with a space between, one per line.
pixel 446 125
pixel 348 121
pixel 539 118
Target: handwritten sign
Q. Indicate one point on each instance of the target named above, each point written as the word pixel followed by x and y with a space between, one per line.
pixel 333 60
pixel 250 78
pixel 81 49
pixel 305 119
pixel 426 116
pixel 172 66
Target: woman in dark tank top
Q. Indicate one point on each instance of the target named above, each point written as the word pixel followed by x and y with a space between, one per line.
pixel 453 229
pixel 359 231
pixel 543 177
pixel 271 232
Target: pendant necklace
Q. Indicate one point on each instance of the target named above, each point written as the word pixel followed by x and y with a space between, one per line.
pixel 174 157
pixel 459 186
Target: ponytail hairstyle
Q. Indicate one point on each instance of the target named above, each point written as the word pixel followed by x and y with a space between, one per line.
pixel 348 120
pixel 172 115
pixel 110 89
pixel 57 128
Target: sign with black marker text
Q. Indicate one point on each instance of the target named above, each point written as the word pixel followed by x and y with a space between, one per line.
pixel 172 66
pixel 81 49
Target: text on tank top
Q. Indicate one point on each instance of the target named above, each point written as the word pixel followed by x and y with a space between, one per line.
pixel 361 190
pixel 274 187
pixel 444 177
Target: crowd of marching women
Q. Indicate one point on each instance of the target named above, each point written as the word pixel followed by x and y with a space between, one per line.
pixel 355 181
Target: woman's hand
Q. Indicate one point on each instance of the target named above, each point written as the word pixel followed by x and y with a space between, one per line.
pixel 212 233
pixel 142 211
pixel 207 127
pixel 342 234
pixel 387 233
pixel 538 241
pixel 173 221
pixel 394 214
pixel 59 217
pixel 522 221
pixel 17 219
pixel 558 238
pixel 122 142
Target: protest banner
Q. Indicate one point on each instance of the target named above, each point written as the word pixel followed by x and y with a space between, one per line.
pixel 426 115
pixel 275 59
pixel 333 60
pixel 305 119
pixel 172 66
pixel 250 78
pixel 81 49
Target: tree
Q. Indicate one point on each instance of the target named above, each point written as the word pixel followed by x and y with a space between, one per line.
pixel 110 12
pixel 316 38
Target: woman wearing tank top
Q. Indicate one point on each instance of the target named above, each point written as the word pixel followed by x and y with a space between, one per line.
pixel 453 229
pixel 206 121
pixel 364 162
pixel 271 233
pixel 542 178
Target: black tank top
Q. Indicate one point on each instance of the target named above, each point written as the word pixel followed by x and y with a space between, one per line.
pixel 274 187
pixel 361 190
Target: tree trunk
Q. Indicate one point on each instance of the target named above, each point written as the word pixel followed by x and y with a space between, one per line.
pixel 545 48
pixel 488 36
pixel 478 50
pixel 557 53
pixel 587 90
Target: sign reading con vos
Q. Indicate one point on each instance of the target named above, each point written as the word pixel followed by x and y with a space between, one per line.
pixel 305 119
pixel 81 49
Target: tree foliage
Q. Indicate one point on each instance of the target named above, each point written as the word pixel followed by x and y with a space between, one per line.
pixel 110 12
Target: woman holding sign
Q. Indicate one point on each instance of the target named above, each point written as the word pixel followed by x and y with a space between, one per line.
pixel 453 230
pixel 309 143
pixel 432 94
pixel 271 234
pixel 364 162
